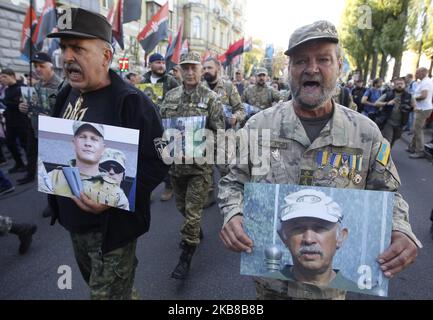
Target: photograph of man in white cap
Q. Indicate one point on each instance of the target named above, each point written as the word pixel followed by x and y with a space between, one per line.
pixel 89 147
pixel 310 226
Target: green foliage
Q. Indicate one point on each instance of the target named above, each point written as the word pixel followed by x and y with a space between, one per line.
pixel 254 58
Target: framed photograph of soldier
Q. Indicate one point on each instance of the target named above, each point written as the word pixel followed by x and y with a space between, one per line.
pixel 155 91
pixel 326 236
pixel 82 157
pixel 185 136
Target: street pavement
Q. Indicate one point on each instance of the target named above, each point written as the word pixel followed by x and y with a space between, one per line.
pixel 215 271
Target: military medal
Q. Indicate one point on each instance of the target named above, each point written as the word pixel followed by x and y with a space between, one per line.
pixel 344 170
pixel 321 161
pixel 335 162
pixel 352 166
pixel 357 179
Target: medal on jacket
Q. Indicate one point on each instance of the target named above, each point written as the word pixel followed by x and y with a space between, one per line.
pixel 352 166
pixel 321 161
pixel 335 163
pixel 344 170
pixel 357 179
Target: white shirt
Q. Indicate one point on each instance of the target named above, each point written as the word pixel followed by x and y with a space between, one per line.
pixel 154 80
pixel 425 85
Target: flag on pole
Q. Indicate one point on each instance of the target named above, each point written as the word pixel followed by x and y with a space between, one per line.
pixel 115 17
pixel 174 50
pixel 26 45
pixel 234 50
pixel 248 45
pixel 155 31
pixel 46 23
pixel 185 47
pixel 131 10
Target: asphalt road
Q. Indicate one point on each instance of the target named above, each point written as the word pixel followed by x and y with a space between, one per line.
pixel 215 270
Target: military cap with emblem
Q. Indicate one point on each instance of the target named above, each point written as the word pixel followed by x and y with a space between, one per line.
pixel 84 25
pixel 310 203
pixel 260 71
pixel 78 125
pixel 113 155
pixel 315 31
pixel 192 57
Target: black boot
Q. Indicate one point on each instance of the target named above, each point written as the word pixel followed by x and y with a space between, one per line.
pixel 25 233
pixel 182 269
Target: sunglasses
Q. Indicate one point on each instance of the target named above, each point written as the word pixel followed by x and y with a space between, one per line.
pixel 107 168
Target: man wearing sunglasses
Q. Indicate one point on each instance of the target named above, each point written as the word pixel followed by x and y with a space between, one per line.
pixel 113 163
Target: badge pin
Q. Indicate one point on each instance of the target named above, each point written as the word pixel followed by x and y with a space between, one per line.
pixel 357 179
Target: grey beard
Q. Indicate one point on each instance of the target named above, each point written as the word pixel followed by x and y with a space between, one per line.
pixel 327 94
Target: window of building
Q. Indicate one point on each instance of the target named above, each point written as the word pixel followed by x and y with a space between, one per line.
pixel 196 27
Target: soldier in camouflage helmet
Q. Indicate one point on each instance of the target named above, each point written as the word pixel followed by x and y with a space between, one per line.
pixel 261 95
pixel 191 182
pixel 314 141
pixel 101 187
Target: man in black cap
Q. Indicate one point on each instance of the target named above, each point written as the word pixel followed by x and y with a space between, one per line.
pixel 158 76
pixel 46 90
pixel 104 239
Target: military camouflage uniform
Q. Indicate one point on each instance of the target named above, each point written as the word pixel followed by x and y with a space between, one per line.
pixel 229 96
pixel 109 276
pixel 101 189
pixel 293 160
pixel 5 225
pixel 261 96
pixel 191 182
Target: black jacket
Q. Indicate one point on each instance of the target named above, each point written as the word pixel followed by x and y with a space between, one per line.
pixel 14 117
pixel 119 227
pixel 168 82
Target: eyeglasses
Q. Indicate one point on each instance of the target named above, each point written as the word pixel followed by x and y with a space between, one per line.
pixel 106 167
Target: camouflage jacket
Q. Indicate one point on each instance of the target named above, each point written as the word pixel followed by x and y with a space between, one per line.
pixel 201 102
pixel 293 160
pixel 229 96
pixel 339 96
pixel 261 96
pixel 101 189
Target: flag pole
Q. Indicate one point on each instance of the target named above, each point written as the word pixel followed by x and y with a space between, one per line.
pixel 31 45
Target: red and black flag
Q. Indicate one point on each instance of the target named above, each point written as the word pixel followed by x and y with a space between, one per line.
pixel 174 50
pixel 234 50
pixel 115 17
pixel 46 23
pixel 29 25
pixel 155 31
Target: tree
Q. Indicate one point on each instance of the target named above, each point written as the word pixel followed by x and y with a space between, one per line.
pixel 254 57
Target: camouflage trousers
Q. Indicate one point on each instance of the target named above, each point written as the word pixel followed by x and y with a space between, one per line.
pixel 191 192
pixel 109 276
pixel 5 225
pixel 272 289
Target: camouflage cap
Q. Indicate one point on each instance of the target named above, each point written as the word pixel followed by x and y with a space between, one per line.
pixel 76 127
pixel 318 30
pixel 260 71
pixel 191 57
pixel 311 203
pixel 114 155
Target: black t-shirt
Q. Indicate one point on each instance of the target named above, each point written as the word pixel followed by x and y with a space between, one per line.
pixel 313 127
pixel 96 107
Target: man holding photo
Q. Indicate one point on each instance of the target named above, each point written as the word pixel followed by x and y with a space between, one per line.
pixel 105 238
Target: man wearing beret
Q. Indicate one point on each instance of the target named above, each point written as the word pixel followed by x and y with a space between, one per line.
pixel 158 76
pixel 316 142
pixel 191 182
pixel 104 238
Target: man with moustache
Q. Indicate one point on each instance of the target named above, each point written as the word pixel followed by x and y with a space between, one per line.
pixel 310 225
pixel 104 238
pixel 316 142
pixel 396 106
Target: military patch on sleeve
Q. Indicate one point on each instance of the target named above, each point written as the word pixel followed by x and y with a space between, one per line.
pixel 160 145
pixel 384 154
